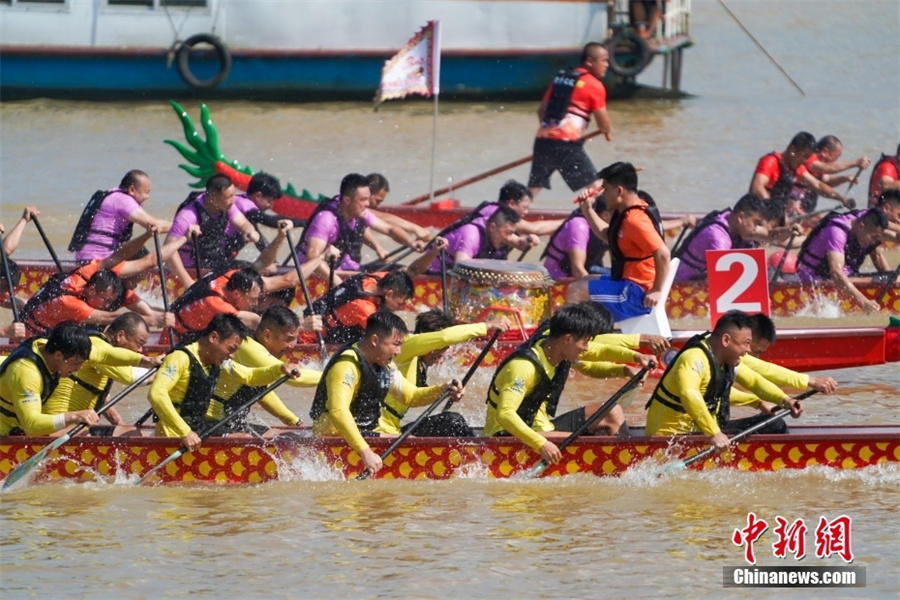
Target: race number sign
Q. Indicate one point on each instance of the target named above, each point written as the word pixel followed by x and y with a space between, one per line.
pixel 737 281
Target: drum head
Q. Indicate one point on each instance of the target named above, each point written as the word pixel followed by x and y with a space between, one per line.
pixel 501 272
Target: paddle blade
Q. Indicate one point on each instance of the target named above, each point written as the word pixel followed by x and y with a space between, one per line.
pixel 25 468
pixel 671 468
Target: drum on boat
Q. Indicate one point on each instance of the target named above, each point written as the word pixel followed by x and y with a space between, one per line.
pixel 485 288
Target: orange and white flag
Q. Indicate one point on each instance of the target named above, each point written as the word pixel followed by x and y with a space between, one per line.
pixel 415 69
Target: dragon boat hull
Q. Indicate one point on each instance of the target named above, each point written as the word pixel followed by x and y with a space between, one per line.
pixel 238 461
pixel 686 300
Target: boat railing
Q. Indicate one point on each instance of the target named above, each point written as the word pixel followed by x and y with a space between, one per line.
pixel 675 21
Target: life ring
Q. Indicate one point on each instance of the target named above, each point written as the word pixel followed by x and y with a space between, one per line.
pixel 628 53
pixel 184 56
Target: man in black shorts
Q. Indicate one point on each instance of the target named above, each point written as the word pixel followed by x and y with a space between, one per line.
pixel 565 114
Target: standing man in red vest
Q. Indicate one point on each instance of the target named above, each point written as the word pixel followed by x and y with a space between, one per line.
pixel 565 114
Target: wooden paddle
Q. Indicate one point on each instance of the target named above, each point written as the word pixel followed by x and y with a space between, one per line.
pixel 678 240
pixel 444 297
pixel 10 284
pixel 425 413
pixel 162 279
pixel 323 352
pixel 216 426
pixel 680 465
pixel 622 397
pixel 485 175
pixel 855 178
pixel 787 250
pixel 196 247
pixel 47 243
pixel 29 465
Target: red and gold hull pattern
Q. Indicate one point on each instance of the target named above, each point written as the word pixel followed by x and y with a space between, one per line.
pixel 234 461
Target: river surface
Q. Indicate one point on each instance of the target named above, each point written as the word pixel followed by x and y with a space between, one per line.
pixel 576 537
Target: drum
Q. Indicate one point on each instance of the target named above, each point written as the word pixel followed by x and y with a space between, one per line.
pixel 485 288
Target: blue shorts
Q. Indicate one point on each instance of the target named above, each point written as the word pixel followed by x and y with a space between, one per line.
pixel 624 299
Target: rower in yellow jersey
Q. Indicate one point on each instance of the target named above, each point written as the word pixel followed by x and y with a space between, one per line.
pixel 435 332
pixel 356 381
pixel 277 332
pixel 115 356
pixel 526 388
pixel 30 374
pixel 695 393
pixel 180 394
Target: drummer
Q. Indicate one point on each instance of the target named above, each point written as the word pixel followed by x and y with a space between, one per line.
pixel 356 381
pixel 526 388
pixel 492 240
pixel 435 332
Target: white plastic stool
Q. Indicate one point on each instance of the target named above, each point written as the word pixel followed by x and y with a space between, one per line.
pixel 657 322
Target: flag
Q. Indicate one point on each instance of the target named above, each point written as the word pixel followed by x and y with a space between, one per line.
pixel 415 69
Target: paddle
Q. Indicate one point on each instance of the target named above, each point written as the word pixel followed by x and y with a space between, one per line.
pixel 888 284
pixel 621 397
pixel 444 297
pixel 680 465
pixel 196 247
pixel 787 250
pixel 47 243
pixel 485 175
pixel 678 240
pixel 162 279
pixel 855 178
pixel 216 426
pixel 412 427
pixel 319 339
pixel 378 265
pixel 370 265
pixel 523 254
pixel 30 464
pixel 10 284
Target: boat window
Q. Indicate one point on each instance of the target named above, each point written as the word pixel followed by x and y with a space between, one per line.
pixel 35 2
pixel 159 3
pixel 182 2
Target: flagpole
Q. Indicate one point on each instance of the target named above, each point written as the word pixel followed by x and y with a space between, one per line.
pixel 436 91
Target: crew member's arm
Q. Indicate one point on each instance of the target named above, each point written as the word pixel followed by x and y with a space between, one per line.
pixel 785 377
pixel 603 123
pixel 879 260
pixel 833 168
pixel 406 392
pixel 524 227
pixel 597 225
pixel 155 317
pixel 395 233
pixel 758 185
pixel 765 394
pixel 342 383
pixel 244 226
pixel 843 283
pixel 418 231
pixel 12 239
pixel 129 248
pixel 174 369
pixel 268 256
pixel 512 393
pixel 823 189
pixel 661 263
pixel 421 264
pixel 104 353
pixel 25 384
pixel 146 220
pixel 369 240
pixel 420 344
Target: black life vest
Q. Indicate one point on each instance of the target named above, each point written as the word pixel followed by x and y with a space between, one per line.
pixel 25 351
pixel 338 332
pixel 781 189
pixel 349 240
pixel 51 290
pixel 85 226
pixel 854 255
pixel 593 257
pixel 874 186
pixel 486 249
pixel 547 390
pixel 212 242
pixel 231 405
pixel 559 103
pixel 201 386
pixel 466 219
pixel 618 258
pixel 688 257
pixel 373 389
pixel 717 392
pixel 200 289
pixel 101 393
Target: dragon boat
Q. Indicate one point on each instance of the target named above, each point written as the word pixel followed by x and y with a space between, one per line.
pixel 686 300
pixel 223 461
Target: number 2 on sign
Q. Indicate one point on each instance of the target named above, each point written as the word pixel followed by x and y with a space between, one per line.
pixel 737 281
pixel 748 272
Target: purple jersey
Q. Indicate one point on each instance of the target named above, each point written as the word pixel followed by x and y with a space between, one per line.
pixel 573 235
pixel 112 217
pixel 186 217
pixel 715 235
pixel 833 237
pixel 325 226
